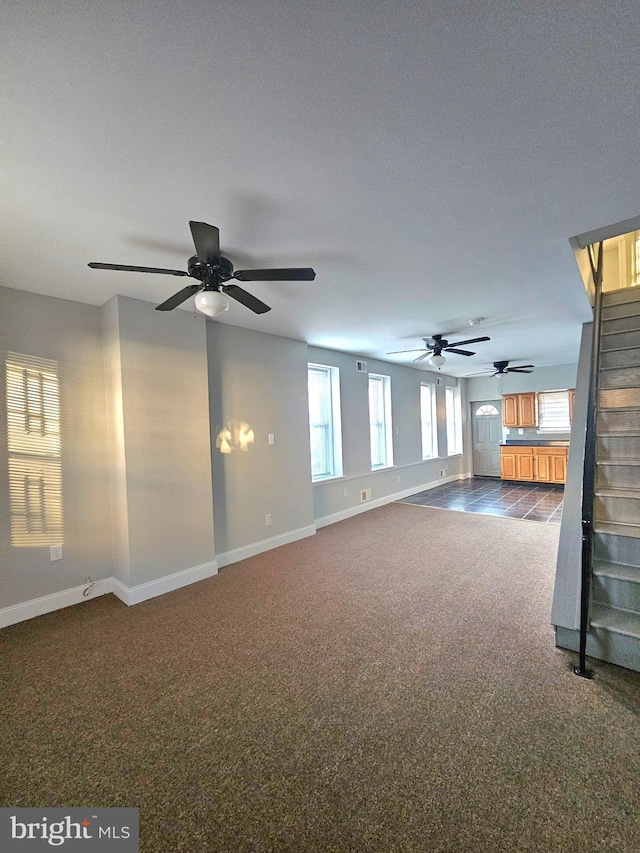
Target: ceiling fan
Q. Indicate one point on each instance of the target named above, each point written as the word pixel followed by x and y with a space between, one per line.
pixel 212 271
pixel 437 344
pixel 502 368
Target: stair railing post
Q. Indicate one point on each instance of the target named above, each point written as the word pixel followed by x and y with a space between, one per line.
pixel 589 472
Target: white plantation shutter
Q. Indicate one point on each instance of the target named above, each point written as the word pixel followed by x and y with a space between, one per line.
pixel 553 410
pixel 34 446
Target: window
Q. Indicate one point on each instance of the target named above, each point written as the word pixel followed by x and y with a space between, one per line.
pixel 428 421
pixel 553 411
pixel 324 421
pixel 454 421
pixel 486 411
pixel 33 442
pixel 380 421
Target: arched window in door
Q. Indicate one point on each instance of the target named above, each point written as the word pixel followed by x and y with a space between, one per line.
pixel 486 410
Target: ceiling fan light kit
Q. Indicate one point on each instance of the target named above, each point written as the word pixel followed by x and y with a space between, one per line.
pixel 212 272
pixel 437 344
pixel 211 302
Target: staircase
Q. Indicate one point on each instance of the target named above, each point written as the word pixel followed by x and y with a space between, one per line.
pixel 614 630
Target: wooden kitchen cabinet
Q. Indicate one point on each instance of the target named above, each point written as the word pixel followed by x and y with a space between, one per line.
pixel 507 465
pixel 509 410
pixel 528 410
pixel 525 467
pixel 542 464
pixel 558 465
pixel 519 410
pixel 534 464
pixel 516 463
pixel 550 464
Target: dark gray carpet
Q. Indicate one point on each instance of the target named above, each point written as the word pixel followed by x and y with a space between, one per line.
pixel 387 685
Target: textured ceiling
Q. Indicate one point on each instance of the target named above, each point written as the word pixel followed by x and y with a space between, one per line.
pixel 430 160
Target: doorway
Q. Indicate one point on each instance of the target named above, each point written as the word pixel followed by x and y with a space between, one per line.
pixel 486 430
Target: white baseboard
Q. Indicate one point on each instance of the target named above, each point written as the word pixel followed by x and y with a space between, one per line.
pixel 169 583
pixel 129 595
pixel 237 554
pixel 56 601
pixel 387 499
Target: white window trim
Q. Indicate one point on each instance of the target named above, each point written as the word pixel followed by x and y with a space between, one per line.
pixel 388 425
pixel 434 421
pixel 335 423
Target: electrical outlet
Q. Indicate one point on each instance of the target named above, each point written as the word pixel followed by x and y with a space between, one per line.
pixel 271 438
pixel 345 493
pixel 55 552
pixel 267 520
pixel 398 477
pixel 442 472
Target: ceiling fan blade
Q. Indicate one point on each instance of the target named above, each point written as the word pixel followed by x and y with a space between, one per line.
pixel 126 267
pixel 206 239
pixel 179 297
pixel 289 274
pixel 424 355
pixel 399 351
pixel 459 351
pixel 520 366
pixel 246 299
pixel 470 341
pixel 518 370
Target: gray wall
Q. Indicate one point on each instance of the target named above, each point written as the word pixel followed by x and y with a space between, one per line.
pixel 260 379
pixel 556 378
pixel 157 387
pixel 68 333
pixel 409 472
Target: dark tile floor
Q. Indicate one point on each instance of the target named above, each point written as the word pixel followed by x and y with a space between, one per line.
pixel 530 501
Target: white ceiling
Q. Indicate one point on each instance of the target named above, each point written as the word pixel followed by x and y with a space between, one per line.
pixel 430 160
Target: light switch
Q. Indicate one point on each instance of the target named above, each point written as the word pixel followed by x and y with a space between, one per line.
pixel 272 438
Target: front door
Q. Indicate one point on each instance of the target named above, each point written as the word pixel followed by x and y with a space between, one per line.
pixel 486 428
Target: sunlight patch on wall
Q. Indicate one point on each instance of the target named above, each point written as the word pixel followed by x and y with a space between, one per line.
pixel 34 445
pixel 237 435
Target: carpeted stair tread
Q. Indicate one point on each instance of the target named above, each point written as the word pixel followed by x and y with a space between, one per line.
pixel 619 571
pixel 618 528
pixel 614 619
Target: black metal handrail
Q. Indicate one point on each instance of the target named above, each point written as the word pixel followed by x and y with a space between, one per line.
pixel 589 469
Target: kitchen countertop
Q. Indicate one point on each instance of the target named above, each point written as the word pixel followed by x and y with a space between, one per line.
pixel 535 443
